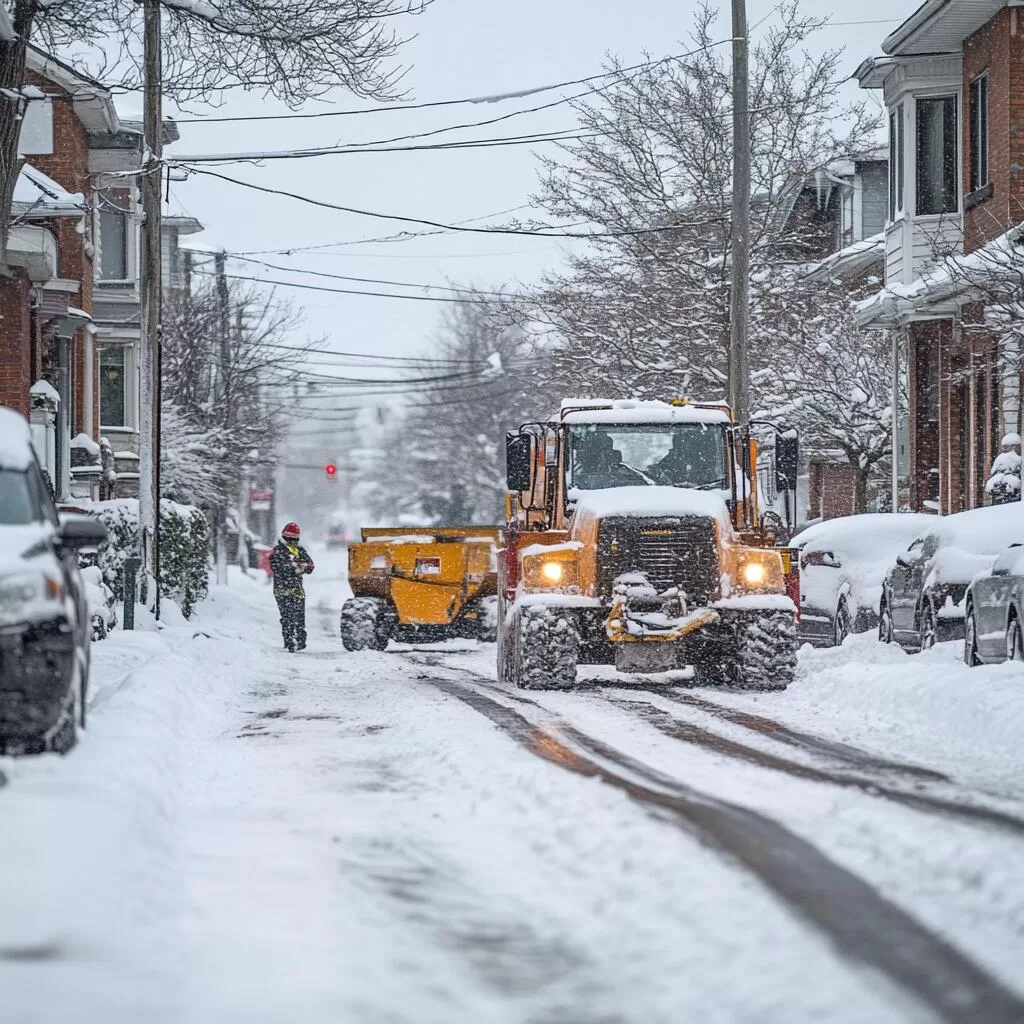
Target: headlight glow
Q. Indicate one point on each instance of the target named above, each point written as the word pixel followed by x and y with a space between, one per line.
pixel 552 571
pixel 754 574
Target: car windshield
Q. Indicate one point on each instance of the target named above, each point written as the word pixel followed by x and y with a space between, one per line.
pixel 19 503
pixel 667 455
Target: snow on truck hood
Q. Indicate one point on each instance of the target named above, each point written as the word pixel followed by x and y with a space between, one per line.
pixel 642 502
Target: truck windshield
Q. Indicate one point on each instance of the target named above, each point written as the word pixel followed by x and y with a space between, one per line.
pixel 666 455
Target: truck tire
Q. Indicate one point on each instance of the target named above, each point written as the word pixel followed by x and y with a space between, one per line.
pixel 749 651
pixel 366 624
pixel 545 649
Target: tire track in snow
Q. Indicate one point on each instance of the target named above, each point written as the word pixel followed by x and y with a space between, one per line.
pixel 688 732
pixel 774 730
pixel 863 925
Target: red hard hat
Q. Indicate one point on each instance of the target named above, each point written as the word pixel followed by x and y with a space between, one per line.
pixel 291 530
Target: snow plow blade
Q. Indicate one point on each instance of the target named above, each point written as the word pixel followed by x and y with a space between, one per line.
pixel 624 627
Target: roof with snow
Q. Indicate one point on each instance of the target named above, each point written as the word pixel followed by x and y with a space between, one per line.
pixel 598 410
pixel 38 196
pixel 851 262
pixel 983 274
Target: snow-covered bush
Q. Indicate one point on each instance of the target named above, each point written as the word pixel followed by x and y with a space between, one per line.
pixel 1004 482
pixel 184 551
pixel 184 554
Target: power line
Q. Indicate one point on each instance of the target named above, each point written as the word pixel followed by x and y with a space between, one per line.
pixel 535 138
pixel 542 233
pixel 351 291
pixel 373 280
pixel 498 98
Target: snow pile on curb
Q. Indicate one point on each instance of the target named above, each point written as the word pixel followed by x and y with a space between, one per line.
pixel 85 837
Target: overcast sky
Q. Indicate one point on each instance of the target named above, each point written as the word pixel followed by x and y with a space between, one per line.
pixel 462 48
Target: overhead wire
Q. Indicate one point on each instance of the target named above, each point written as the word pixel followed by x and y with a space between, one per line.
pixel 540 233
pixel 372 280
pixel 507 96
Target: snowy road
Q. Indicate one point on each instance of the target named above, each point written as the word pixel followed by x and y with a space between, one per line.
pixel 247 835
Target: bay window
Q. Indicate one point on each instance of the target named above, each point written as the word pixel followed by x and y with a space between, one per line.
pixel 936 164
pixel 897 176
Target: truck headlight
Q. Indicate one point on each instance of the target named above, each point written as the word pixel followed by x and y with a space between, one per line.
pixel 552 572
pixel 754 574
pixel 20 591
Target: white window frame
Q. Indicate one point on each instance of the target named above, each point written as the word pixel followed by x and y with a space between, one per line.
pixel 131 384
pixel 131 242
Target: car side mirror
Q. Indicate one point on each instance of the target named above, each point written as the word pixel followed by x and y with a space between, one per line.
pixel 518 461
pixel 787 460
pixel 81 532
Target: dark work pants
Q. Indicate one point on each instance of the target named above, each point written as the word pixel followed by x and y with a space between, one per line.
pixel 293 620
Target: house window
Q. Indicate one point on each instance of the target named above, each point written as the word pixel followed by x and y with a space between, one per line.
pixel 113 243
pixel 937 190
pixel 112 386
pixel 897 175
pixel 979 133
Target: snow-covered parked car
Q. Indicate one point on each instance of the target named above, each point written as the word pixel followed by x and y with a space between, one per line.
pixel 923 597
pixel 842 565
pixel 44 613
pixel 994 624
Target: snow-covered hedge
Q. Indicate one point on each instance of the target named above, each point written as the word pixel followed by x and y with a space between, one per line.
pixel 184 551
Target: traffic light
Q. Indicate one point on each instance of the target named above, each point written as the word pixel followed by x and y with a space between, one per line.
pixel 331 469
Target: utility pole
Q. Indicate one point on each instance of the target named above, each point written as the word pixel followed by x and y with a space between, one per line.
pixel 739 299
pixel 152 274
pixel 222 403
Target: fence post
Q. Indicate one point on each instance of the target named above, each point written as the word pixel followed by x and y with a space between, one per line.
pixel 131 570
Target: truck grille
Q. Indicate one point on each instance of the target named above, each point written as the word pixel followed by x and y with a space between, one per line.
pixel 680 551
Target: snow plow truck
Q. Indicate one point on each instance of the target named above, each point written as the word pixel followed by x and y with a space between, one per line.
pixel 421 586
pixel 636 538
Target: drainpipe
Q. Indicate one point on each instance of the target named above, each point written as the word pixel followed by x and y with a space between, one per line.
pixel 896 420
pixel 62 483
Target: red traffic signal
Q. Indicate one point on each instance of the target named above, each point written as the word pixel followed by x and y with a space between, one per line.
pixel 331 469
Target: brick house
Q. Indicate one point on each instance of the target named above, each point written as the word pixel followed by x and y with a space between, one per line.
pixel 852 197
pixel 70 301
pixel 953 83
pixel 47 350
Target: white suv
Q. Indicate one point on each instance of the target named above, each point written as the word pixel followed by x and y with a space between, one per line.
pixel 44 614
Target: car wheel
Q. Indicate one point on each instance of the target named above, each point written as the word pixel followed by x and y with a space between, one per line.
pixel 928 628
pixel 1015 640
pixel 65 736
pixel 971 639
pixel 885 630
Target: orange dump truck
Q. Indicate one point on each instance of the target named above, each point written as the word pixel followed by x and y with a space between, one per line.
pixel 421 585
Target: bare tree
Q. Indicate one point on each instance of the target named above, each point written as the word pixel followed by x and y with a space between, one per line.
pixel 222 402
pixel 649 312
pixel 290 49
pixel 445 454
pixel 832 378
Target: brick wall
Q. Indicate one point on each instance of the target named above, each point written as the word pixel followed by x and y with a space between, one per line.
pixel 998 49
pixel 15 348
pixel 69 167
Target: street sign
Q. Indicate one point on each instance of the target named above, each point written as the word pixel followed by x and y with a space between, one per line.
pixel 261 501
